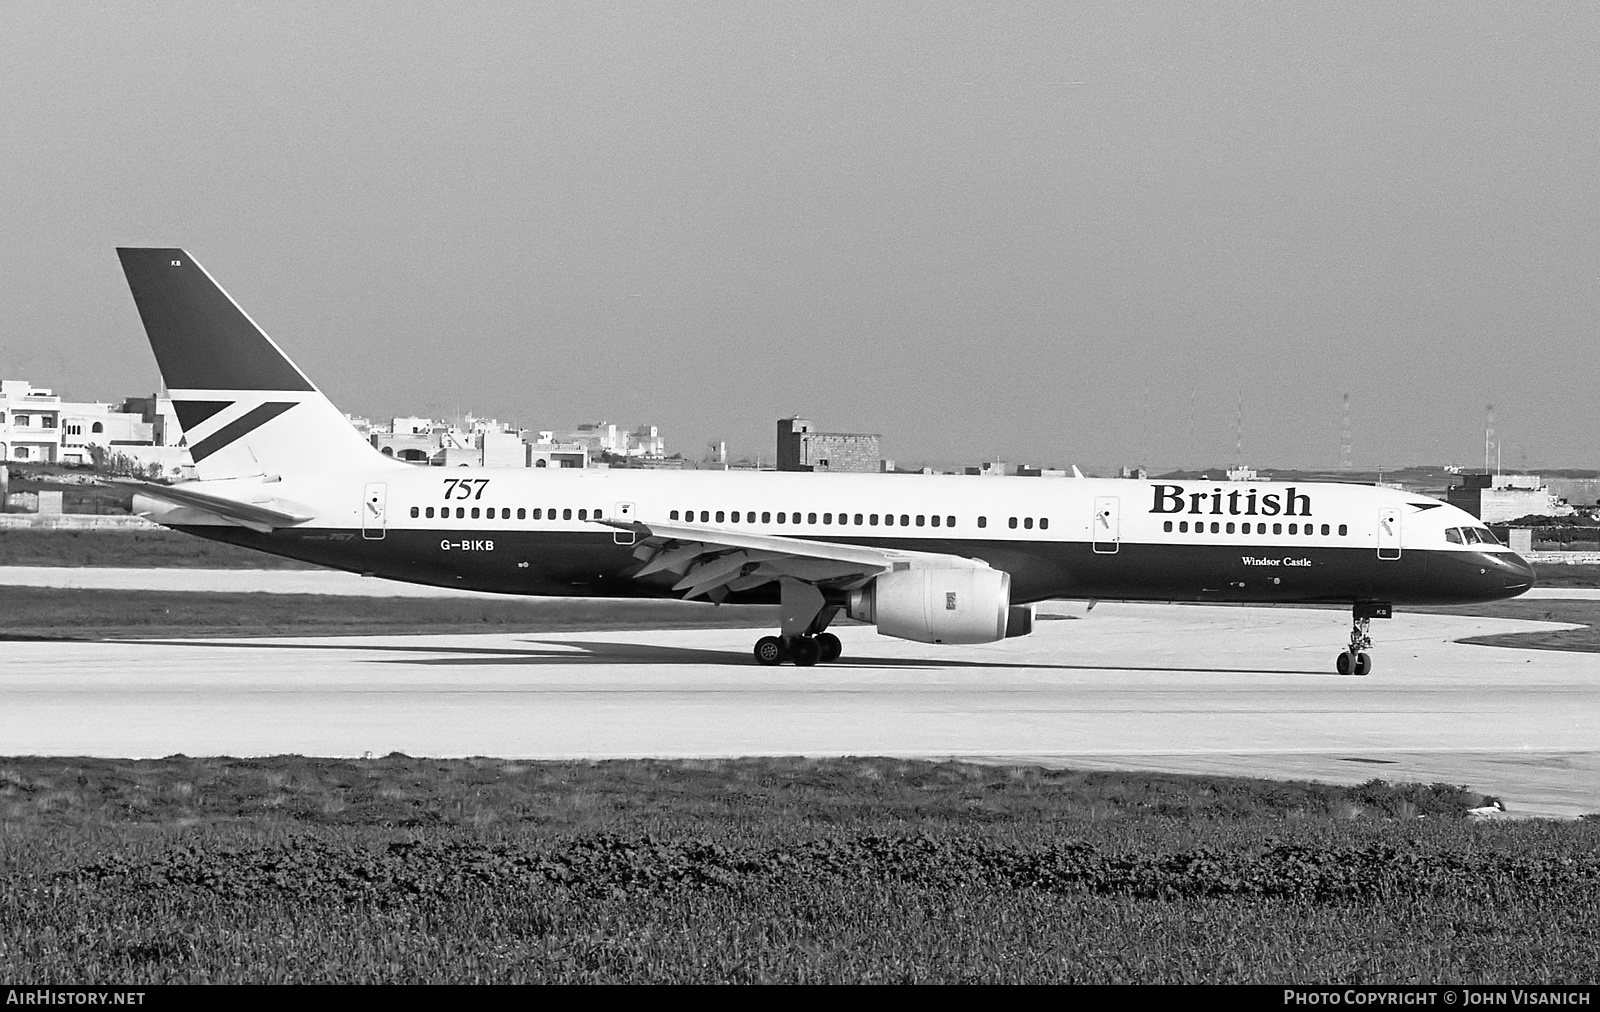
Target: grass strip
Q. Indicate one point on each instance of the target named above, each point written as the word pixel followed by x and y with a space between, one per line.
pixel 799 870
pixel 55 613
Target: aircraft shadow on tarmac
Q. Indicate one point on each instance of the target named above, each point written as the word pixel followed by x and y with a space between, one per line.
pixel 581 653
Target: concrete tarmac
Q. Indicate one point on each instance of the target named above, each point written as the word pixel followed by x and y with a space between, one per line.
pixel 1247 691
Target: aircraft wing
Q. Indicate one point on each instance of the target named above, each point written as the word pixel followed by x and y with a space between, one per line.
pixel 714 561
pixel 257 516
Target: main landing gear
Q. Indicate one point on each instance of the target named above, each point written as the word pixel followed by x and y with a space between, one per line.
pixel 805 615
pixel 1355 660
pixel 803 651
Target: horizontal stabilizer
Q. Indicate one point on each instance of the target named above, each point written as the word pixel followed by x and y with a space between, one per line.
pixel 256 516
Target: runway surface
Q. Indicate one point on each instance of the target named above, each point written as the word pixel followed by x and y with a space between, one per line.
pixel 1167 687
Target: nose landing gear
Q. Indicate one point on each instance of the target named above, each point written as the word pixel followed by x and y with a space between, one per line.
pixel 1355 660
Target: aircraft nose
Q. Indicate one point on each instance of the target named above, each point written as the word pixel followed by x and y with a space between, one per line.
pixel 1516 572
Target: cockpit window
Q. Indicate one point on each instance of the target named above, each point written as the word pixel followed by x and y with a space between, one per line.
pixel 1484 535
pixel 1453 535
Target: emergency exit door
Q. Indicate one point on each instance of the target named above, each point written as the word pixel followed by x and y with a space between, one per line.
pixel 1106 529
pixel 374 511
pixel 623 511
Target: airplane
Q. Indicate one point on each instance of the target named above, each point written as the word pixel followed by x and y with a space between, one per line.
pixel 927 558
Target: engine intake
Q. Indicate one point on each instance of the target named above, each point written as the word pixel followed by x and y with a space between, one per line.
pixel 937 604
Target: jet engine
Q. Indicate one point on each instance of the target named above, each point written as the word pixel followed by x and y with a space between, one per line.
pixel 937 604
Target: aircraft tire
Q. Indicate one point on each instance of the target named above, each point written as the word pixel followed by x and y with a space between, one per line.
pixel 1342 664
pixel 805 652
pixel 769 651
pixel 1363 665
pixel 831 647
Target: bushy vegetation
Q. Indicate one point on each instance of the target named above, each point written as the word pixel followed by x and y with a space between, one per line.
pixel 401 869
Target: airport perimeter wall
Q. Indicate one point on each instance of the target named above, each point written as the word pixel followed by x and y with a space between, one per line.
pixel 75 522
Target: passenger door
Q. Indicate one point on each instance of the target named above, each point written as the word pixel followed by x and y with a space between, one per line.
pixel 1105 530
pixel 375 511
pixel 1389 534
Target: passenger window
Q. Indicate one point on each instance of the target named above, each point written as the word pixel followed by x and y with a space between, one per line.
pixel 461 512
pixel 1294 528
pixel 705 516
pixel 1044 523
pixel 583 514
pixel 905 520
pixel 983 521
pixel 1167 526
pixel 1344 529
pixel 827 518
pixel 948 521
pixel 888 519
pixel 922 519
pixel 416 511
pixel 428 513
pixel 811 518
pixel 1012 523
pixel 936 519
pixel 566 514
pixel 1027 523
pixel 522 513
pixel 1230 527
pixel 1453 535
pixel 474 512
pixel 1310 529
pixel 720 515
pixel 781 517
pixel 673 515
pixel 538 514
pixel 1324 528
pixel 873 520
pixel 1216 528
pixel 1183 526
pixel 858 520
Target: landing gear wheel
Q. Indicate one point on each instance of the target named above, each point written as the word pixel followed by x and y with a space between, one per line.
pixel 1363 664
pixel 831 647
pixel 805 651
pixel 769 650
pixel 1342 665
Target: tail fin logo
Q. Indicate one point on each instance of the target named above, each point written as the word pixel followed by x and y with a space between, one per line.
pixel 237 429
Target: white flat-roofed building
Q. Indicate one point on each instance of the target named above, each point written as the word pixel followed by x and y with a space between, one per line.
pixel 37 426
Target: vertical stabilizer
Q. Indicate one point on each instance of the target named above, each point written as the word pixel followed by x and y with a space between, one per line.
pixel 244 407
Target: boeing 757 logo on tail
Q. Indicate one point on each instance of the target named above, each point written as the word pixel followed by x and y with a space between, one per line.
pixel 1239 502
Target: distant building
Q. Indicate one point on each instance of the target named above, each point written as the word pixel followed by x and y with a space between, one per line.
pixel 800 448
pixel 1498 498
pixel 38 427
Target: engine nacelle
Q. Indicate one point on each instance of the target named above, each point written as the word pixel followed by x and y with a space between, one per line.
pixel 937 604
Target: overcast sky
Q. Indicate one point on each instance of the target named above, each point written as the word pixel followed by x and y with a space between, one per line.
pixel 1053 233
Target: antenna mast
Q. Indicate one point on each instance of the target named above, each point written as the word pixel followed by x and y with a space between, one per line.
pixel 1344 435
pixel 1488 437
